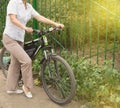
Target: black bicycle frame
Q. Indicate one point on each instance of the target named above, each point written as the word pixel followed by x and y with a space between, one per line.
pixel 33 47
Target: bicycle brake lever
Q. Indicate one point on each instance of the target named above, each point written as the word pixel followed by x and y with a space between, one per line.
pixel 51 29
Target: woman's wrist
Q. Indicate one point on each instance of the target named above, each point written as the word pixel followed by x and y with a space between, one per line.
pixel 24 27
pixel 54 24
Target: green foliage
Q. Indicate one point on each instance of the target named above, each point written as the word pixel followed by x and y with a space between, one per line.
pixel 99 85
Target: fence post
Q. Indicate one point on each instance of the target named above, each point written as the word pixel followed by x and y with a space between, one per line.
pixel 35 23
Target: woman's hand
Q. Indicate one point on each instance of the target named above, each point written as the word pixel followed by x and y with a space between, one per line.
pixel 59 25
pixel 28 29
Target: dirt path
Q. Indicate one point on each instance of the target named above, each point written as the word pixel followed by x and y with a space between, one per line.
pixel 40 99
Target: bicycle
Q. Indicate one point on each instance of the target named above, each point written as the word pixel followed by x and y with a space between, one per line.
pixel 56 74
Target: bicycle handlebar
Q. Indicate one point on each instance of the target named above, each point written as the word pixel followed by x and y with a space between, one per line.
pixel 43 32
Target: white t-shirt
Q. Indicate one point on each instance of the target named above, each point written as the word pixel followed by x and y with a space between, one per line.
pixel 23 15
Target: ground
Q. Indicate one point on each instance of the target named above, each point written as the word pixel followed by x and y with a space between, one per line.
pixel 39 100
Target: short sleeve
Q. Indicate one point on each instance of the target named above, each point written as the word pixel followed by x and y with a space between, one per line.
pixel 34 12
pixel 12 7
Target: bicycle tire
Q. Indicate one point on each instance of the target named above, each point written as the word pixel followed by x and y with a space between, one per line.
pixel 60 77
pixel 4 61
pixel 4 64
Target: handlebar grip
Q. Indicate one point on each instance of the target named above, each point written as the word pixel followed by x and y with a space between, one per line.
pixel 46 31
pixel 36 31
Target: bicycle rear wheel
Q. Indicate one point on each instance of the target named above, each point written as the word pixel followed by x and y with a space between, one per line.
pixel 58 80
pixel 4 61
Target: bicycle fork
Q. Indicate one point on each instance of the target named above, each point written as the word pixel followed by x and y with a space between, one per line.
pixel 47 53
pixel 51 64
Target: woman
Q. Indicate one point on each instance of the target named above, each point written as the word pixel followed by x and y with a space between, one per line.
pixel 19 12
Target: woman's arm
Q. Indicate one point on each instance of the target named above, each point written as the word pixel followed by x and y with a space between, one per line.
pixel 48 21
pixel 17 23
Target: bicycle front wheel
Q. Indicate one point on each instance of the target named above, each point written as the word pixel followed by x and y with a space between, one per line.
pixel 58 80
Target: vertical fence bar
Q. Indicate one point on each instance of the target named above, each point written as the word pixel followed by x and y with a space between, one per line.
pixel 55 10
pixel 60 14
pixel 78 28
pixel 35 23
pixel 90 25
pixel 71 40
pixel 45 8
pixel 98 38
pixel 83 30
pixel 115 36
pixel 50 9
pixel 65 20
pixel 106 37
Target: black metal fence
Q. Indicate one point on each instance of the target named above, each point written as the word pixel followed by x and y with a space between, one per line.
pixel 91 27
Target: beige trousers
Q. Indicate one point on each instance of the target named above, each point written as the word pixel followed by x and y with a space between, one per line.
pixel 19 60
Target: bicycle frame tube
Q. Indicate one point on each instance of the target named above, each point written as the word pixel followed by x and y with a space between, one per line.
pixel 42 45
pixel 31 48
pixel 37 51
